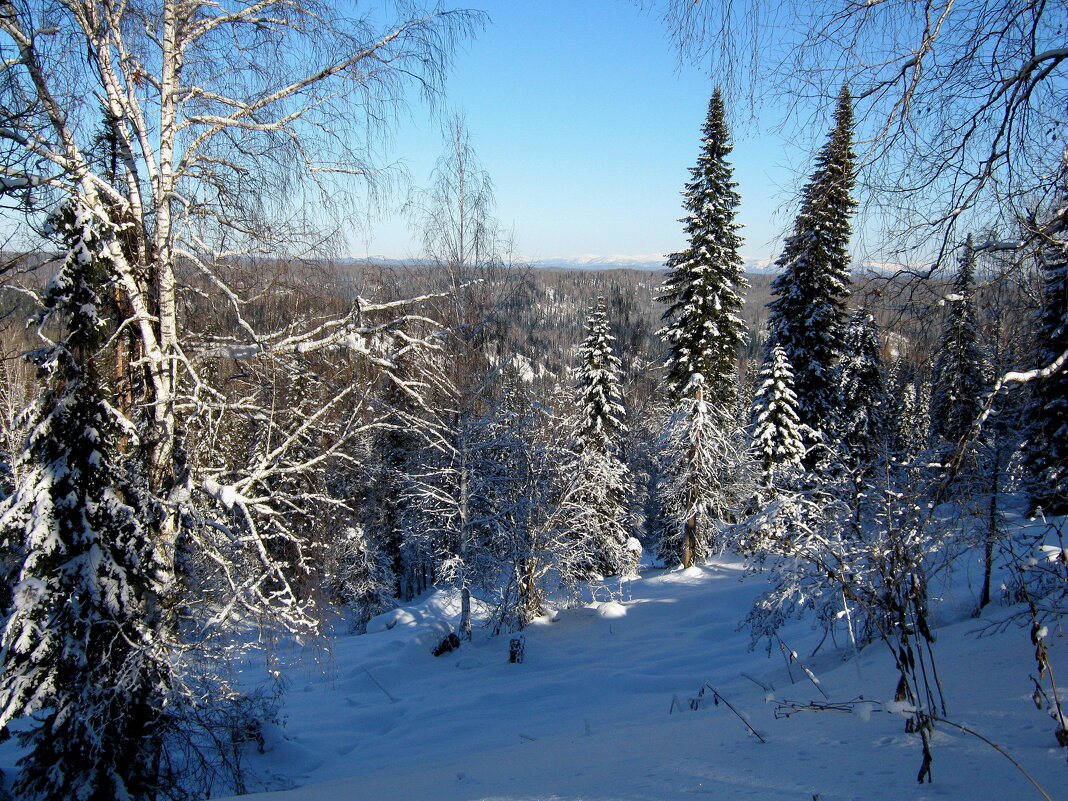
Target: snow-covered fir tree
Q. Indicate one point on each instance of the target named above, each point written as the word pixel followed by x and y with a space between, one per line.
pixel 703 329
pixel 598 503
pixel 705 477
pixel 80 662
pixel 807 316
pixel 600 410
pixel 1047 448
pixel 777 439
pixel 910 412
pixel 961 380
pixel 862 386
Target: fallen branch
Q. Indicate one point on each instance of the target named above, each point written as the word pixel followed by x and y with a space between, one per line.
pixel 791 656
pixel 695 703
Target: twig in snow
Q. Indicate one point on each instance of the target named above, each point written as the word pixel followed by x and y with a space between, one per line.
pixel 793 657
pixel 379 686
pixel 716 698
pixel 768 688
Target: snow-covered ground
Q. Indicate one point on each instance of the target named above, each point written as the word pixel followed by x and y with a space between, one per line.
pixel 600 709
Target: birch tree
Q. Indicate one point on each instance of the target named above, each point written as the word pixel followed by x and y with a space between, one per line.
pixel 213 145
pixel 231 128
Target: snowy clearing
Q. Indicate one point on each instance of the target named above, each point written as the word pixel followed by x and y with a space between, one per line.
pixel 600 709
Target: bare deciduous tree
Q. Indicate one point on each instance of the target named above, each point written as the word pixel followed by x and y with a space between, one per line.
pixel 220 140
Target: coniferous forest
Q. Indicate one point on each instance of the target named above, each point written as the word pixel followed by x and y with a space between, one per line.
pixel 227 450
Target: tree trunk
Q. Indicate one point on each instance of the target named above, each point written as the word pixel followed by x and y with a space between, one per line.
pixel 689 542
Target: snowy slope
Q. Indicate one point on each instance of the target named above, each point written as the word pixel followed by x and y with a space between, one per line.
pixel 586 716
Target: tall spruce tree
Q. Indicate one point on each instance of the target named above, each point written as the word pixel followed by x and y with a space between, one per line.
pixel 807 316
pixel 79 657
pixel 599 520
pixel 962 370
pixel 1047 447
pixel 703 329
pixel 777 438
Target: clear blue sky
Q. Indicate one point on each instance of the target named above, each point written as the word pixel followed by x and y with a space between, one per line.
pixel 588 125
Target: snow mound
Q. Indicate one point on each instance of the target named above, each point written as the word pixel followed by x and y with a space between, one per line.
pixel 611 609
pixel 391 619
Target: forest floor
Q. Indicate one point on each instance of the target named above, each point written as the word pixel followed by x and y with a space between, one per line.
pixel 600 708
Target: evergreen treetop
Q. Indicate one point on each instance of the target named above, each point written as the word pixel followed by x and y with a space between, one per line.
pixel 703 329
pixel 807 316
pixel 962 370
pixel 777 437
pixel 862 385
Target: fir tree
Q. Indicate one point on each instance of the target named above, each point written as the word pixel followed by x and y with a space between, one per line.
pixel 703 328
pixel 777 437
pixel 862 385
pixel 807 315
pixel 1047 448
pixel 910 413
pixel 597 505
pixel 962 371
pixel 79 656
pixel 600 422
pixel 705 476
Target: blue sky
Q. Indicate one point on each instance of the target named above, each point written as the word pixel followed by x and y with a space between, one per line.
pixel 588 125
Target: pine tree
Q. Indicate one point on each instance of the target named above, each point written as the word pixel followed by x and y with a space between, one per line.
pixel 862 385
pixel 597 506
pixel 79 656
pixel 777 437
pixel 962 371
pixel 807 315
pixel 1047 448
pixel 703 328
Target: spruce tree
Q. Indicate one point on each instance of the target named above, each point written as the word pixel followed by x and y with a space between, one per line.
pixel 600 411
pixel 777 438
pixel 599 520
pixel 703 328
pixel 862 385
pixel 962 371
pixel 807 316
pixel 1046 452
pixel 706 476
pixel 79 657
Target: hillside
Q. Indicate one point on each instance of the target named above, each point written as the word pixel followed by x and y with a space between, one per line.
pixel 600 708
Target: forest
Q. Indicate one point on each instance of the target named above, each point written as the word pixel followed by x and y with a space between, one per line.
pixel 222 440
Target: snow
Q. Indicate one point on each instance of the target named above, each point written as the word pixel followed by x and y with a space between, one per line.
pixel 586 716
pixel 225 494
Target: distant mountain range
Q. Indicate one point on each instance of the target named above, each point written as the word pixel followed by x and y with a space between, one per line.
pixel 653 263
